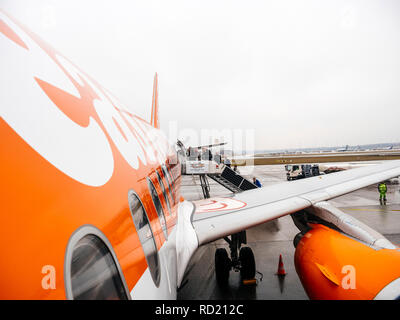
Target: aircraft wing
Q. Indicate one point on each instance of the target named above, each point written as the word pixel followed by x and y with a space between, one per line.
pixel 215 218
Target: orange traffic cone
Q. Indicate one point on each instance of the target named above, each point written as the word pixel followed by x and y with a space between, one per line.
pixel 281 269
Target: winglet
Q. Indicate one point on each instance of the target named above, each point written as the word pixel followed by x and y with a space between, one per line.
pixel 155 122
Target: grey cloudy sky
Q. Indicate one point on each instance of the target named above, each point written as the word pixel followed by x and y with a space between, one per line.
pixel 300 73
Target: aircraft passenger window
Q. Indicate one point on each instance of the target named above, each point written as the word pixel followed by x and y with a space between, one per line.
pixel 168 178
pixel 173 179
pixel 160 182
pixel 93 272
pixel 146 236
pixel 171 173
pixel 159 209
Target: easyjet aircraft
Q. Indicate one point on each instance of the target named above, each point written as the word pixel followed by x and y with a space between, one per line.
pixel 91 209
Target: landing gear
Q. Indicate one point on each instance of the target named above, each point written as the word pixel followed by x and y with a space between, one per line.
pixel 205 186
pixel 222 266
pixel 247 263
pixel 242 259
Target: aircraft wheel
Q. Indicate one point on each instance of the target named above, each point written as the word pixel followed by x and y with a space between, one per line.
pixel 222 266
pixel 248 269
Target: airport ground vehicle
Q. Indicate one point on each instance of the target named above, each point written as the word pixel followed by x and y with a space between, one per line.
pixel 299 171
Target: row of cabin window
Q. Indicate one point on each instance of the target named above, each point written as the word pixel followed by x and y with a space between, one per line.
pixel 94 273
pixel 142 224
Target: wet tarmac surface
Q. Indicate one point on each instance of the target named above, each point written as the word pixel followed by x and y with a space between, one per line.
pixel 275 238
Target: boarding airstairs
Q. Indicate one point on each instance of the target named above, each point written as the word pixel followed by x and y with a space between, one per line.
pixel 232 180
pixel 220 173
pixel 193 164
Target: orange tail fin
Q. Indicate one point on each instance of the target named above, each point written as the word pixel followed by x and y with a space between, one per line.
pixel 155 120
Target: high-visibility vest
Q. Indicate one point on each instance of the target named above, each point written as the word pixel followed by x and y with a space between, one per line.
pixel 382 188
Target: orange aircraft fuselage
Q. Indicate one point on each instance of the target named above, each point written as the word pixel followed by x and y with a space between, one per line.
pixel 42 205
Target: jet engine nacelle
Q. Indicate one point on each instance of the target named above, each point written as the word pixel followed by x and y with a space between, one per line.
pixel 338 257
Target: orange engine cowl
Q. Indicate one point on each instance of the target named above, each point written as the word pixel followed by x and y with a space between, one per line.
pixel 332 266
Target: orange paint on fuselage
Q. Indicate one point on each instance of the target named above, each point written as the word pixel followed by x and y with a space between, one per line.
pixel 42 206
pixel 334 252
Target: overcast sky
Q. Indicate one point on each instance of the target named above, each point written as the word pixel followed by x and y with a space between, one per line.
pixel 298 73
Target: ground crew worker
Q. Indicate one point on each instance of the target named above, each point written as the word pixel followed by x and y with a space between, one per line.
pixel 382 188
pixel 257 182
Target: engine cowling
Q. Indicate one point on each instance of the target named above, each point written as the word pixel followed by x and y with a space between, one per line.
pixel 339 257
pixel 332 265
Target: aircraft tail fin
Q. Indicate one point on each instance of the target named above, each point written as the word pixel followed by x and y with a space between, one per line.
pixel 155 121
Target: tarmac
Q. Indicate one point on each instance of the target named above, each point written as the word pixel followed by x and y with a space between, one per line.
pixel 275 238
